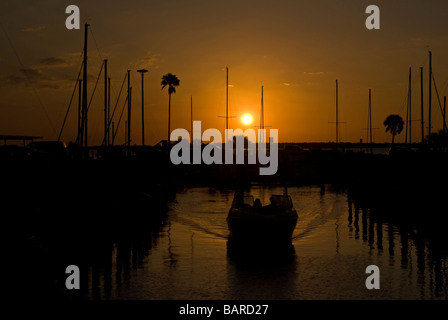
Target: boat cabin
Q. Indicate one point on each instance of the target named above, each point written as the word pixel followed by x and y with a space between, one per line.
pixel 246 202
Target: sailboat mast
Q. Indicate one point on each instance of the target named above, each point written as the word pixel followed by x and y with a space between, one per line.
pixel 142 72
pixel 409 112
pixel 337 116
pixel 105 102
pixel 430 89
pixel 444 116
pixel 262 115
pixel 108 111
pixel 370 117
pixel 421 101
pixel 410 105
pixel 83 139
pixel 79 112
pixel 128 140
pixel 227 98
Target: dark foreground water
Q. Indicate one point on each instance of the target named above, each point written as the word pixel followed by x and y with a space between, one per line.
pixel 333 243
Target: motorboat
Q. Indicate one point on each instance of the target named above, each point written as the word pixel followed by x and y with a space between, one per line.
pixel 249 219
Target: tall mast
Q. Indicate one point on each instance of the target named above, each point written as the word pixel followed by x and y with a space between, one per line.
pixel 105 102
pixel 84 93
pixel 409 111
pixel 227 98
pixel 421 101
pixel 113 133
pixel 262 114
pixel 370 117
pixel 410 105
pixel 337 122
pixel 191 117
pixel 430 89
pixel 108 112
pixel 143 71
pixel 337 115
pixel 128 140
pixel 227 104
pixel 79 142
pixel 444 116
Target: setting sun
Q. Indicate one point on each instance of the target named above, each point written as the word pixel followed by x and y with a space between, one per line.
pixel 246 119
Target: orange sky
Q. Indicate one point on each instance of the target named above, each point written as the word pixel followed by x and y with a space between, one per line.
pixel 296 49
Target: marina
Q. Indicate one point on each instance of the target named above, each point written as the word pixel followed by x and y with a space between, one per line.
pixel 312 165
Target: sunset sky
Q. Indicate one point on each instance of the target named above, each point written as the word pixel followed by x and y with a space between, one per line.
pixel 296 49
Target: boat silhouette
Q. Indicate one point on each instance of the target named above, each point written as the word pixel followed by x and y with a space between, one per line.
pixel 248 219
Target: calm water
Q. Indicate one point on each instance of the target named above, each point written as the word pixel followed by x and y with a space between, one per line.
pixel 333 243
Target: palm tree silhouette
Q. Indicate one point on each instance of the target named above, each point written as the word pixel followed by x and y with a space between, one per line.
pixel 172 82
pixel 394 123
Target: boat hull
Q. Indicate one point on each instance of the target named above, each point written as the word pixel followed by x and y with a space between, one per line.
pixel 262 227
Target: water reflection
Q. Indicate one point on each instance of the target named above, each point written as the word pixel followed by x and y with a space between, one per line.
pixel 188 254
pixel 260 252
pixel 145 252
pixel 254 272
pixel 116 260
pixel 419 246
pixel 109 249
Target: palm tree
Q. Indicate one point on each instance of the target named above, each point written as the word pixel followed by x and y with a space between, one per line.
pixel 172 82
pixel 394 123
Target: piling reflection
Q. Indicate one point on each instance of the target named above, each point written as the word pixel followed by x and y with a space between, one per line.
pixel 117 259
pixel 421 246
pixel 106 242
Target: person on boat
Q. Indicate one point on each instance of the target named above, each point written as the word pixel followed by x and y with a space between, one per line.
pixel 239 199
pixel 268 209
pixel 257 204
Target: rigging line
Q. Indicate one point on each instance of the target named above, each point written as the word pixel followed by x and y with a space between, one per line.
pixel 119 94
pixel 405 99
pixel 28 79
pixel 113 90
pixel 96 44
pixel 70 104
pixel 117 98
pixel 94 89
pixel 437 92
pixel 79 61
pixel 119 120
pixel 116 104
pixel 95 132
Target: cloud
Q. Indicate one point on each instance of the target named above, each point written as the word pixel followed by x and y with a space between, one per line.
pixel 148 61
pixel 52 61
pixel 289 84
pixel 32 79
pixel 34 29
pixel 28 76
pixel 66 60
pixel 31 73
pixel 314 73
pixel 14 80
pixel 48 72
